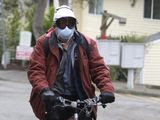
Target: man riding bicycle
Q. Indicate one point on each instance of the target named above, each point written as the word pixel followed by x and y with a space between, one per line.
pixel 66 63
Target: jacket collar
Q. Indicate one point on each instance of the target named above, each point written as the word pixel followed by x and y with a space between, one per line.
pixel 53 45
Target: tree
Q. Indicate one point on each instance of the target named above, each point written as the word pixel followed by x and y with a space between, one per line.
pixel 48 18
pixel 13 31
pixel 37 25
pixel 12 16
pixel 38 16
pixel 29 12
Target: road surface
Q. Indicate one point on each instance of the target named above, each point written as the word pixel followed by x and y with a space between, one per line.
pixel 14 105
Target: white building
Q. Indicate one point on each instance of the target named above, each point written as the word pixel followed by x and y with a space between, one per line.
pixel 151 71
pixel 143 16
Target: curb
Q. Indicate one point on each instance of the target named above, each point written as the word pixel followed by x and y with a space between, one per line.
pixel 140 93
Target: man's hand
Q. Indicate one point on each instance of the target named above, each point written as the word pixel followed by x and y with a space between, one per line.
pixel 107 97
pixel 48 96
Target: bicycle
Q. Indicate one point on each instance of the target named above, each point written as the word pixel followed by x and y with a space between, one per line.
pixel 86 106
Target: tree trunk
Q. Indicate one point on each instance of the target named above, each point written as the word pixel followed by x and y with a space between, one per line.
pixel 63 2
pixel 37 25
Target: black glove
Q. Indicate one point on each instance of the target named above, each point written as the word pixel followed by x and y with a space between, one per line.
pixel 48 96
pixel 107 97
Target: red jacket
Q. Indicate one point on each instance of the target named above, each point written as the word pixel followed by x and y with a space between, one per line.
pixel 42 73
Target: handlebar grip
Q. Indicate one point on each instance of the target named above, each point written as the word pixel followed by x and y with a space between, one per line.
pixel 107 97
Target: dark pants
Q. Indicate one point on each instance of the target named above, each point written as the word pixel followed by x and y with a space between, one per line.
pixel 59 114
pixel 64 114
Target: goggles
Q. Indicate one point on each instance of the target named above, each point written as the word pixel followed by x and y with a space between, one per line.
pixel 66 21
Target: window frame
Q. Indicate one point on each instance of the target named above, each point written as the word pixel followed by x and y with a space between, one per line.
pixel 152 11
pixel 96 12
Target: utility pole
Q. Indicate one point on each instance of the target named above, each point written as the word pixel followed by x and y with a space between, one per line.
pixel 2 37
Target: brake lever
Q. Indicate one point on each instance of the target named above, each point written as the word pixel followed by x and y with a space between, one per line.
pixel 66 102
pixel 62 101
pixel 104 105
pixel 99 100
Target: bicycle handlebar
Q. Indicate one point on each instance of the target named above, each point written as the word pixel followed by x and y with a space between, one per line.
pixel 87 102
pixel 86 106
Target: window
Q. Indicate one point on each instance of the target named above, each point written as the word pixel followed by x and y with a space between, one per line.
pixel 0 7
pixel 152 9
pixel 63 2
pixel 95 6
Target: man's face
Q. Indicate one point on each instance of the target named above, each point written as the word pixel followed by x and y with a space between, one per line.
pixel 66 21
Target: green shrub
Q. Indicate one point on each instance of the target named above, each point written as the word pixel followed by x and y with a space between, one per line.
pixel 118 73
pixel 13 29
pixel 128 38
pixel 48 18
pixel 133 39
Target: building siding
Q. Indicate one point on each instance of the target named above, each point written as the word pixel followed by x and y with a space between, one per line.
pixel 136 24
pixel 78 10
pixel 152 65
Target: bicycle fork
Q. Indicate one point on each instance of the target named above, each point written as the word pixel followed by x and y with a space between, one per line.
pixel 76 116
pixel 76 112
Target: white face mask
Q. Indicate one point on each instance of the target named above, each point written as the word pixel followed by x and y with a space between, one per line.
pixel 65 34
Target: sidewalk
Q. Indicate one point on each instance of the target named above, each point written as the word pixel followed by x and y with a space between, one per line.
pixel 14 75
pixel 120 87
pixel 139 89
